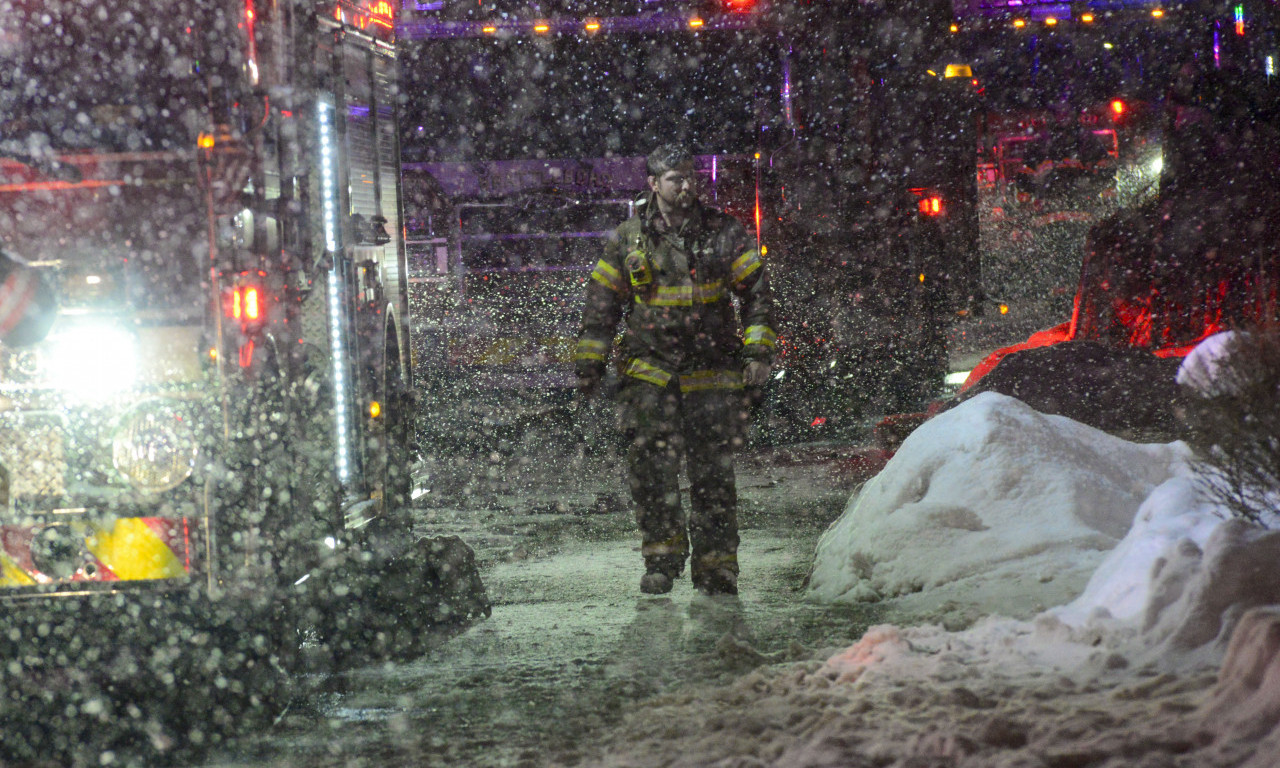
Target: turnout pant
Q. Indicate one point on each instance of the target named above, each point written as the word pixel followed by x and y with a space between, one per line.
pixel 665 425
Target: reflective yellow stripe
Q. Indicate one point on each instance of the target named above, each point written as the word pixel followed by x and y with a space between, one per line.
pixel 709 292
pixel 606 275
pixel 704 380
pixel 745 264
pixel 590 349
pixel 676 545
pixel 668 296
pixel 133 551
pixel 639 369
pixel 683 295
pixel 11 575
pixel 760 334
pixel 713 560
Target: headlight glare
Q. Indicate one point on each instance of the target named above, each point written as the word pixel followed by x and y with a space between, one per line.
pixel 92 361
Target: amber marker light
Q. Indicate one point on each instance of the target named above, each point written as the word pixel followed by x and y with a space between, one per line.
pixel 1087 18
pixel 541 28
pixel 695 23
pixel 375 409
pixel 205 141
pixel 1157 13
pixel 489 30
pixel 955 27
pixel 592 25
pixel 1004 309
pixel 1051 22
pixel 1019 23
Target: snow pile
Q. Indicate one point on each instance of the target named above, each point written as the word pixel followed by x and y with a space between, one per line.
pixel 990 500
pixel 1123 676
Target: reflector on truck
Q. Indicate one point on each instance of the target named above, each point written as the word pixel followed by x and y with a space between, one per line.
pixel 79 550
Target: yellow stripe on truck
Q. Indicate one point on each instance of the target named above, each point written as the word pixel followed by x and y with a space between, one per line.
pixel 11 575
pixel 133 551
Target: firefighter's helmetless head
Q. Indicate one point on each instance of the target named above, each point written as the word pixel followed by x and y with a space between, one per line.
pixel 672 177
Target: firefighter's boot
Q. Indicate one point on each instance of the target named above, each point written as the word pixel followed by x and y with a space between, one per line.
pixel 716 574
pixel 655 583
pixel 660 573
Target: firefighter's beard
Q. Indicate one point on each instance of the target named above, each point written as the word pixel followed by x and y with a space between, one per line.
pixel 680 201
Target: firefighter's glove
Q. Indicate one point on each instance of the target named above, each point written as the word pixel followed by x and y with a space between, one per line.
pixel 588 383
pixel 756 373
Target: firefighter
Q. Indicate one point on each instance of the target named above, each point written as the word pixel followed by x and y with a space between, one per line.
pixel 671 274
pixel 27 306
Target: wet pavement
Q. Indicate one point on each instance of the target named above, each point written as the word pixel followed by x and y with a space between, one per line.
pixel 572 643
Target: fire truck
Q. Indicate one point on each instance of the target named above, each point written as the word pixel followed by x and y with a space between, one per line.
pixel 204 461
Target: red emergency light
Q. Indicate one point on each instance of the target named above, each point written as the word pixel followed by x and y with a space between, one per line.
pixel 246 302
pixel 931 205
pixel 739 6
pixel 1117 107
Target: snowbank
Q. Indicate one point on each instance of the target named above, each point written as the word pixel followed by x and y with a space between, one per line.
pixel 1124 675
pixel 990 501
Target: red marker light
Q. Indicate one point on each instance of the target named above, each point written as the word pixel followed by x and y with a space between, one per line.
pixel 247 305
pixel 931 206
pixel 252 305
pixel 1117 107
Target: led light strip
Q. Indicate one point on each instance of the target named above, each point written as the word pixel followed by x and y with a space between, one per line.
pixel 329 181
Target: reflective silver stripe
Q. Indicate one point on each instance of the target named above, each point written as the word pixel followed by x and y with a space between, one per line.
pixel 639 369
pixel 760 334
pixel 606 275
pixel 590 349
pixel 745 264
pixel 703 380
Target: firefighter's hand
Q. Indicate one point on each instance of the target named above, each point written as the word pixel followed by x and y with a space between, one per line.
pixel 756 373
pixel 588 383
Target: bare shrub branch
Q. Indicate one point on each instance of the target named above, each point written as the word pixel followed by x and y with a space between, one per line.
pixel 1234 425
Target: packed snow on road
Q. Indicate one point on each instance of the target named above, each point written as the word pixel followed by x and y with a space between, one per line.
pixel 1113 615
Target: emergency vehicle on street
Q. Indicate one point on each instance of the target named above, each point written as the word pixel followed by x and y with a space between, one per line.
pixel 206 458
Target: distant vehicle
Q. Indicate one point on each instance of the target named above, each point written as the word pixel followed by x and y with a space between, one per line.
pixel 1164 274
pixel 206 458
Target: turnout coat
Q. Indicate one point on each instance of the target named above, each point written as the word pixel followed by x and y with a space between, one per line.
pixel 675 291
